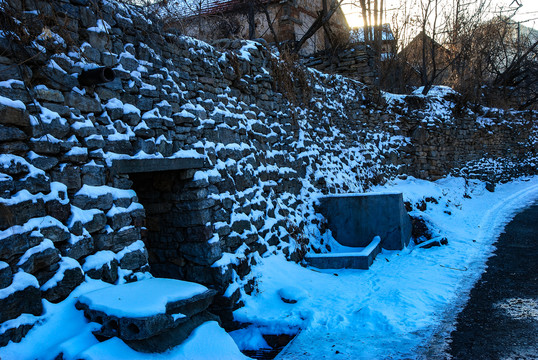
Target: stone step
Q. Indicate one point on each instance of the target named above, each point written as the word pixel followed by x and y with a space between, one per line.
pixel 360 259
pixel 144 309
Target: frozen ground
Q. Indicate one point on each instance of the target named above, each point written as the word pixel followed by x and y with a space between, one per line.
pixel 386 312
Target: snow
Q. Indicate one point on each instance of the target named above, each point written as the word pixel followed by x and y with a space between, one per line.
pixel 395 307
pixel 141 298
pixel 12 103
pixel 95 191
pixel 23 319
pixel 35 223
pixel 210 337
pixel 21 281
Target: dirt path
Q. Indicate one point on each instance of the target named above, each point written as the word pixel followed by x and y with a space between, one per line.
pixel 500 320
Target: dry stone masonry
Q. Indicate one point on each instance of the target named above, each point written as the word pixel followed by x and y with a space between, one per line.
pixel 196 160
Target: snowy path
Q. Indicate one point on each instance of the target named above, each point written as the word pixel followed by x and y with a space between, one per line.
pixel 389 311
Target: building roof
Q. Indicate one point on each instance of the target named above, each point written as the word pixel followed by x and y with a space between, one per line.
pixel 207 7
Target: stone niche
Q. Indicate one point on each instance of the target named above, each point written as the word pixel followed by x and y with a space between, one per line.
pixel 179 219
pixel 355 219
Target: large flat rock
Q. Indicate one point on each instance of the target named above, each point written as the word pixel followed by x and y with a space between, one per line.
pixel 143 309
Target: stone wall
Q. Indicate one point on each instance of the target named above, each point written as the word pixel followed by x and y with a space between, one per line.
pixel 267 137
pixel 356 62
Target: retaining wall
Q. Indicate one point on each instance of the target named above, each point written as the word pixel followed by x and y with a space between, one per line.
pixel 267 139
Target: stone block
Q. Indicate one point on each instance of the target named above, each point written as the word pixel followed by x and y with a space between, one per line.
pixel 85 104
pixel 356 219
pixel 14 334
pixel 40 260
pixel 71 279
pixel 129 318
pixel 9 133
pixel 101 201
pixel 44 162
pixel 22 212
pixel 6 275
pixel 205 253
pixel 108 272
pixel 15 301
pixel 69 175
pixel 11 115
pixel 134 260
pixel 80 247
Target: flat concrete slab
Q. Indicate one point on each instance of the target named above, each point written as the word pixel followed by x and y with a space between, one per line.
pixel 355 219
pixel 145 308
pixel 129 166
pixel 361 259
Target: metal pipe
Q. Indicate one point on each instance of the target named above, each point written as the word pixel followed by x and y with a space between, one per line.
pixel 96 76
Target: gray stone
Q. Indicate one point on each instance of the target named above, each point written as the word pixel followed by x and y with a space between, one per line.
pixel 6 275
pixel 356 219
pixel 54 232
pixel 25 301
pixel 71 279
pixel 138 328
pixel 34 184
pixel 44 162
pixel 14 334
pixel 119 220
pixel 45 94
pixel 203 253
pixel 83 103
pixel 96 223
pixel 60 210
pixel 8 133
pixel 45 145
pixel 14 116
pixel 102 202
pixel 128 166
pixel 108 272
pixel 15 245
pixel 134 260
pixel 22 212
pixel 173 337
pixel 118 240
pixel 40 260
pixel 82 247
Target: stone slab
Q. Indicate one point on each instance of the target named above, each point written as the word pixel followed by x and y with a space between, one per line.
pixel 349 260
pixel 354 219
pixel 129 166
pixel 146 308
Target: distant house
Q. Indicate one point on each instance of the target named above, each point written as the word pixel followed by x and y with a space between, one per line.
pixel 412 54
pixel 388 41
pixel 250 19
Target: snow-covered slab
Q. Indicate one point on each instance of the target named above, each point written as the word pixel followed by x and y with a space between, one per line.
pixel 127 166
pixel 143 309
pixel 362 258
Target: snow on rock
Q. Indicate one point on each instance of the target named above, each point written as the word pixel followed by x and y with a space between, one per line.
pixel 66 263
pixel 21 281
pixel 139 299
pixel 209 341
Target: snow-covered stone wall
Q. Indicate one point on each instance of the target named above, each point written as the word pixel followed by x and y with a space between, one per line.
pixel 270 139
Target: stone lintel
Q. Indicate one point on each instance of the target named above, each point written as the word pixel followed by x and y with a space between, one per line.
pixel 129 166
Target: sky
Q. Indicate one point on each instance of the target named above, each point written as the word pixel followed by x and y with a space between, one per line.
pixel 527 14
